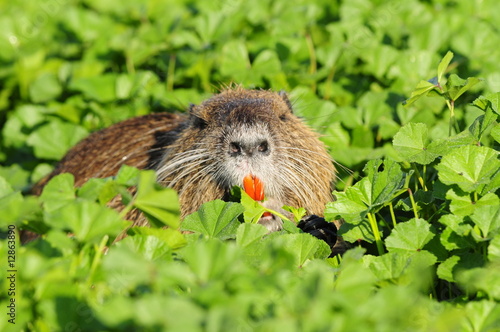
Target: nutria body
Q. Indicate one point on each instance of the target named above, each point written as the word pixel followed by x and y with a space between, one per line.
pixel 205 153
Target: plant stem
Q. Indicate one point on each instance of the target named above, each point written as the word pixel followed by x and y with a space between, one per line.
pixel 126 210
pixel 413 204
pixel 99 250
pixel 376 233
pixel 451 107
pixel 278 215
pixel 393 216
pixel 424 172
pixel 421 180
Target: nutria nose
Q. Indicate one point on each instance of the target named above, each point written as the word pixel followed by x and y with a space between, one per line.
pixel 249 148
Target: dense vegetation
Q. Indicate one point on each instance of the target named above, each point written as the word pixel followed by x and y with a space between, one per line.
pixel 418 181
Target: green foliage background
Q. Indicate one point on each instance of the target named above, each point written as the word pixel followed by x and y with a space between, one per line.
pixel 432 243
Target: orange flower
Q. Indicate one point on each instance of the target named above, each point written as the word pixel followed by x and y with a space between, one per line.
pixel 255 189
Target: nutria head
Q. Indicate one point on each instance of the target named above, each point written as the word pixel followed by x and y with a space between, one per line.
pixel 240 132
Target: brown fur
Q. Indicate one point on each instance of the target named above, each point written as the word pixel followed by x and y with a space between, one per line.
pixel 296 170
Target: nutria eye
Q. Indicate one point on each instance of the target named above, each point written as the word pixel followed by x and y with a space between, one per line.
pixel 234 148
pixel 283 117
pixel 263 147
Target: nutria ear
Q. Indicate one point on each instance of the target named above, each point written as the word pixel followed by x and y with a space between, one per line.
pixel 194 118
pixel 284 96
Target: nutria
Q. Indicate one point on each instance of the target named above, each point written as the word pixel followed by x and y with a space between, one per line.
pixel 205 153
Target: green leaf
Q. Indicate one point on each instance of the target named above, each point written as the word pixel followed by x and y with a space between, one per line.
pixel 393 266
pixel 494 249
pixel 494 99
pixel 451 268
pixel 5 187
pixel 449 144
pixel 412 144
pixel 456 86
pixel 482 123
pixel 390 266
pixel 45 88
pixel 101 88
pixel 443 65
pixel 369 194
pixel 124 84
pixel 250 234
pixel 487 216
pixel 385 177
pixel 490 101
pixel 412 235
pixel 59 191
pixel 127 175
pixel 446 271
pixel 215 219
pixel 212 259
pixel 462 204
pixel 482 315
pixel 470 167
pixel 172 237
pixel 298 214
pixel 88 221
pixel 495 133
pixel 159 204
pixel 234 61
pixel 92 189
pixel 124 258
pixel 253 210
pixel 422 89
pixel 16 176
pixel 484 279
pixel 348 205
pixel 151 247
pixel 457 234
pixel 12 205
pixel 305 247
pixel 60 240
pixel 357 232
pixel 54 139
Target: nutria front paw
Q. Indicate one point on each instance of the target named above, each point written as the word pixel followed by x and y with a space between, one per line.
pixel 319 228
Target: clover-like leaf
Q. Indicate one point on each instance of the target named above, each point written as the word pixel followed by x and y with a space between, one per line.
pixel 54 139
pixel 413 144
pixel 495 132
pixel 88 221
pixel 305 247
pixel 348 205
pixel 249 234
pixel 383 180
pixel 58 192
pixel 470 167
pixel 159 204
pixel 457 86
pixel 215 219
pixel 171 237
pixel 412 235
pixel 395 265
pixel 487 216
pixel 484 279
